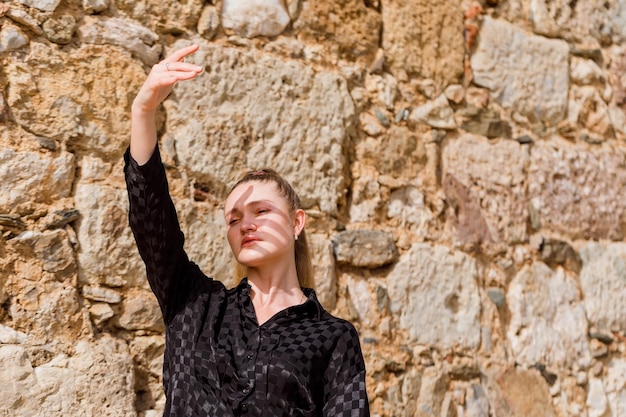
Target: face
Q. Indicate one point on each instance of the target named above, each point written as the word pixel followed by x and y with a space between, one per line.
pixel 260 228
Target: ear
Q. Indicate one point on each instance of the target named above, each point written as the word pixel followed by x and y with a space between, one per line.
pixel 299 219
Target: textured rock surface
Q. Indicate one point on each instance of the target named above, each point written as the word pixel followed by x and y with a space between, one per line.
pixel 526 73
pixel 462 166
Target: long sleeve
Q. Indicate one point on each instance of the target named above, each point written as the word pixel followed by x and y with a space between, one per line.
pixel 345 393
pixel 154 223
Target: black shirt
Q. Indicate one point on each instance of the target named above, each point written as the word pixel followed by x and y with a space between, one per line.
pixel 218 361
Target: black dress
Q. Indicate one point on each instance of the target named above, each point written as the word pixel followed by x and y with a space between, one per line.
pixel 218 361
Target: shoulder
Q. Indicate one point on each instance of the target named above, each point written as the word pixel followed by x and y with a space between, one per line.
pixel 342 330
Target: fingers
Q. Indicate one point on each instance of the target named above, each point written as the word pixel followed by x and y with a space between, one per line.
pixel 180 54
pixel 180 67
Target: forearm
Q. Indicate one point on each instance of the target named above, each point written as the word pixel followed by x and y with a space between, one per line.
pixel 143 135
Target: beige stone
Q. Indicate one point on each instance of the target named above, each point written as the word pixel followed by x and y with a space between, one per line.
pixel 424 39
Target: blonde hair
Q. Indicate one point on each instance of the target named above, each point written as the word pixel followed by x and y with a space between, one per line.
pixel 302 256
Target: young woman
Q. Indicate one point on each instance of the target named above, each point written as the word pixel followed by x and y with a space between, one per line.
pixel 265 347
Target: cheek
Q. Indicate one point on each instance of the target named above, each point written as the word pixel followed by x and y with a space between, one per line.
pixel 230 236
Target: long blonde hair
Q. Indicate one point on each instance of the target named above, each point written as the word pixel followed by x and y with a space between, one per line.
pixel 302 256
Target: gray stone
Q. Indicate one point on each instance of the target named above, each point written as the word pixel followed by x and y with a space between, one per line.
pixel 298 127
pixel 100 312
pixel 43 5
pixel 60 30
pixel 548 323
pixel 31 177
pixel 125 33
pixel 486 122
pixel 582 22
pixel 434 295
pixel 95 6
pixel 570 192
pixel 436 113
pixel 54 250
pixel 23 18
pixel 103 294
pixel 12 38
pixel 603 283
pixel 496 295
pixel 365 248
pixel 525 73
pixel 250 18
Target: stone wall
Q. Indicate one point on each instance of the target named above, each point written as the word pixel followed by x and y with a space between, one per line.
pixel 462 164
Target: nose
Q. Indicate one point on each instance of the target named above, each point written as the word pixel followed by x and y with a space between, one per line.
pixel 247 224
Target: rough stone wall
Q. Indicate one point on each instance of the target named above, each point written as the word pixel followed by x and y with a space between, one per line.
pixel 462 164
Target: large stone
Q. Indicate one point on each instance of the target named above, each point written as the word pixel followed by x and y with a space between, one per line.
pixel 104 378
pixel 250 18
pixel 53 249
pixel 616 386
pixel 485 180
pixel 97 380
pixel 526 73
pixel 168 17
pixel 548 323
pixel 91 116
pixel 107 247
pixel 125 33
pixel 424 39
pixel 12 38
pixel 434 294
pixel 365 248
pixel 60 30
pixel 252 110
pixel 603 283
pixel 583 22
pixel 346 28
pixel 577 190
pixel 321 250
pixel 140 311
pixel 517 392
pixel 31 177
pixel 43 5
pixel 205 239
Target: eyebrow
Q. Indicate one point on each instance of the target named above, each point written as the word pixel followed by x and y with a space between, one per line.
pixel 251 203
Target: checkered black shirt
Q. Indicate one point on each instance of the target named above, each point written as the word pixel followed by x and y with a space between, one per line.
pixel 218 361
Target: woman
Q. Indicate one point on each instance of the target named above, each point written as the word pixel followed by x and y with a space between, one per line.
pixel 266 347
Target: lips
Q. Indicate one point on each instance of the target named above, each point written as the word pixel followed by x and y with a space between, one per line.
pixel 249 240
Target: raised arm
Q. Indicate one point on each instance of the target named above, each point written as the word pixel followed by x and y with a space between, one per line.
pixel 158 85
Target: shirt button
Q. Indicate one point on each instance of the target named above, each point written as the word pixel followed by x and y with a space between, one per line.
pixel 244 407
pixel 245 391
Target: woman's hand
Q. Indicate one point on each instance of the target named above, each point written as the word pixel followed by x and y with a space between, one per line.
pixel 160 81
pixel 162 78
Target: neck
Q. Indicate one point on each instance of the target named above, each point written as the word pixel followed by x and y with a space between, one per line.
pixel 275 285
